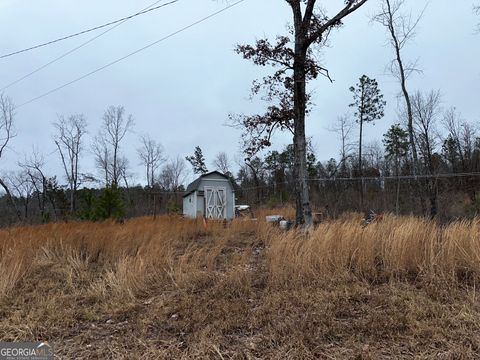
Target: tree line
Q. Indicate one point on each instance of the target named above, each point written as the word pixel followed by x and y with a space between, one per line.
pixel 446 143
pixel 31 193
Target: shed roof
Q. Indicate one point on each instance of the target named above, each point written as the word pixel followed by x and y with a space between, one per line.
pixel 193 186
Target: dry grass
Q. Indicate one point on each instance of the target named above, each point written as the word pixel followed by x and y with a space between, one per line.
pixel 401 288
pixel 396 248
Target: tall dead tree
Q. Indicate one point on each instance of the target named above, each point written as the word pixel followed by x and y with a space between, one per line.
pixel 34 168
pixel 151 156
pixel 68 139
pixel 343 127
pixel 107 143
pixel 22 188
pixel 173 174
pixel 103 157
pixel 7 109
pixel 293 57
pixel 426 114
pixel 401 28
pixel 222 163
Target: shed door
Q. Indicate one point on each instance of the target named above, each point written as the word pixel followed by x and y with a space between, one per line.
pixel 215 202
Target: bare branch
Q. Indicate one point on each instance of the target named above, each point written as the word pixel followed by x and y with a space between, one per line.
pixel 6 122
pixel 70 132
pixel 151 155
pixel 107 148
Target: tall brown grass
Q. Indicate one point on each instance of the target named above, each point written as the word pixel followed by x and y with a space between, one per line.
pixel 142 253
pixel 400 248
pixel 173 288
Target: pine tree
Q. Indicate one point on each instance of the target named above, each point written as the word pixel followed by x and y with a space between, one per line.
pixel 369 106
pixel 198 161
pixel 396 144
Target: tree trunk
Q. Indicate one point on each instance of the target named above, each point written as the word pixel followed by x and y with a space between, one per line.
pixel 397 205
pixel 256 181
pixel 433 199
pixel 10 200
pixel 360 164
pixel 303 209
pixel 397 202
pixel 115 175
pixel 72 200
pixel 27 200
pixel 408 103
pixel 75 183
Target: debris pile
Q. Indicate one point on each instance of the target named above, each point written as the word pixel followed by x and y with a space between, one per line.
pixel 279 220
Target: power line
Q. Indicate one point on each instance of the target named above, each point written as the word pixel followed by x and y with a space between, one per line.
pixel 131 54
pixel 378 178
pixel 402 177
pixel 76 48
pixel 147 10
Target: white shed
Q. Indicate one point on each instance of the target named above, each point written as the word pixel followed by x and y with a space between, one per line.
pixel 211 196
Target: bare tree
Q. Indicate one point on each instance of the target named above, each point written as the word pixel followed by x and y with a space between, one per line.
pixel 34 168
pixel 222 163
pixel 102 155
pixel 107 143
pixel 7 109
pixel 454 125
pixel 256 170
pixel 374 155
pixel 23 189
pixel 343 127
pixel 68 139
pixel 459 146
pixel 426 114
pixel 296 65
pixel 152 156
pixel 173 174
pixel 401 29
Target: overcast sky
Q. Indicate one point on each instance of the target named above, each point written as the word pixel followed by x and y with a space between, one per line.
pixel 182 90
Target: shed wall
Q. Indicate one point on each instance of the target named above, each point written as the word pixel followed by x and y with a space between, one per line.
pixel 189 206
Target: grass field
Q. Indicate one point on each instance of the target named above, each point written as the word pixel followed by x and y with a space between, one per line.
pixel 170 288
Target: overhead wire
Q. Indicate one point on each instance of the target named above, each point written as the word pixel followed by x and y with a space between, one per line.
pixel 116 24
pixel 147 10
pixel 131 54
pixel 401 177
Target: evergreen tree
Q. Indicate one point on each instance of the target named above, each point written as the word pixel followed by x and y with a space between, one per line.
pixel 396 145
pixel 450 153
pixel 369 106
pixel 197 161
pixel 396 142
pixel 109 205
